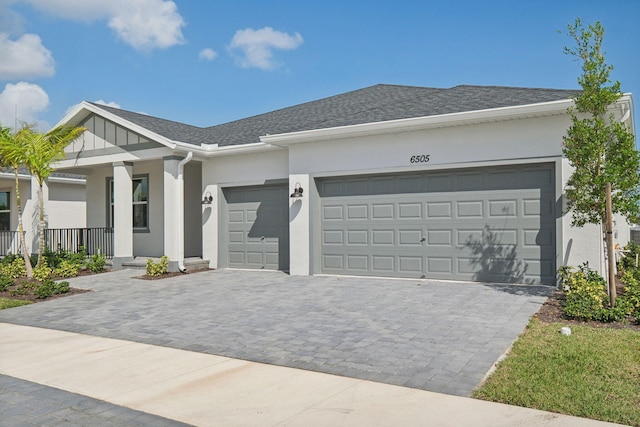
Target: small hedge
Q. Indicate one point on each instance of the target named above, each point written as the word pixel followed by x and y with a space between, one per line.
pixel 586 297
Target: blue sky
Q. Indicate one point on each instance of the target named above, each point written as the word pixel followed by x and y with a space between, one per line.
pixel 206 62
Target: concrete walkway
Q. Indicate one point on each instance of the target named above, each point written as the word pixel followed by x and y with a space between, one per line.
pixel 208 390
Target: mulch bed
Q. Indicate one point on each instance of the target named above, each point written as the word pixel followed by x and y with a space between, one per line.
pixel 75 291
pixel 172 274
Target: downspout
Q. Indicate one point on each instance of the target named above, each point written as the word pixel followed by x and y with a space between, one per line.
pixel 180 212
pixel 626 116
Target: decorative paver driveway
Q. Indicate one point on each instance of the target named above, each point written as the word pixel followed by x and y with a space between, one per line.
pixel 437 336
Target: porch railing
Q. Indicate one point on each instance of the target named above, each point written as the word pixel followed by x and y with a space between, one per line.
pixel 9 242
pixel 94 240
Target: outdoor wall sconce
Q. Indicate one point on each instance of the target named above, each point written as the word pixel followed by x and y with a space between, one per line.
pixel 297 191
pixel 208 199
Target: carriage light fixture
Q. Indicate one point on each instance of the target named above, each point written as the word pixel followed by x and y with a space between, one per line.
pixel 208 198
pixel 297 191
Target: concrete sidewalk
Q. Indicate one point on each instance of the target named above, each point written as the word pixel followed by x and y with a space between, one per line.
pixel 208 390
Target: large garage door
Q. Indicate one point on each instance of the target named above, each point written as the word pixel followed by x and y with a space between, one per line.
pixel 257 227
pixel 486 224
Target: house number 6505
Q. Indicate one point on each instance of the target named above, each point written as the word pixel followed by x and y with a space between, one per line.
pixel 422 158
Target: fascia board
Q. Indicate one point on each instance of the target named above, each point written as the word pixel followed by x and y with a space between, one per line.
pixel 150 154
pixel 419 123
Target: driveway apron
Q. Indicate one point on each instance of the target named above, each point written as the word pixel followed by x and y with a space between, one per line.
pixel 437 336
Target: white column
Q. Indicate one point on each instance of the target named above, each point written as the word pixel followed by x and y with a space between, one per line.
pixel 210 223
pixel 299 227
pixel 122 213
pixel 171 217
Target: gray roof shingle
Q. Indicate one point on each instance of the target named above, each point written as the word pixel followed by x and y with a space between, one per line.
pixel 372 104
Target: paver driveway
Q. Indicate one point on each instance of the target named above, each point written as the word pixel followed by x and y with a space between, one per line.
pixel 437 336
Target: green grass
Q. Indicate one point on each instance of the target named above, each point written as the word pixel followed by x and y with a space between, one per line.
pixel 9 303
pixel 593 373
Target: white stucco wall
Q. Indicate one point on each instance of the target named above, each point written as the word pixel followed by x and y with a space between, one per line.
pixel 230 171
pixel 66 207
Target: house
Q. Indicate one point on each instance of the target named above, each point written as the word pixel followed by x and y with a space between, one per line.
pixel 64 203
pixel 464 183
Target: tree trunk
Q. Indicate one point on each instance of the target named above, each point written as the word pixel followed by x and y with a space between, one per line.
pixel 23 243
pixel 610 255
pixel 40 225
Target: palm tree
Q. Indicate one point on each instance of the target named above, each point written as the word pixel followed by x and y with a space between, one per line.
pixel 12 155
pixel 41 151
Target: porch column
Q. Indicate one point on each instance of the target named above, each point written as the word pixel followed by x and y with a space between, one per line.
pixel 173 202
pixel 299 226
pixel 122 213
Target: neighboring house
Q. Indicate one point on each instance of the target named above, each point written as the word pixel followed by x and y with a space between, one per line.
pixel 64 204
pixel 463 183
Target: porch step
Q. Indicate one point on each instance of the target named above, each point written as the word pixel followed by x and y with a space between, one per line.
pixel 140 263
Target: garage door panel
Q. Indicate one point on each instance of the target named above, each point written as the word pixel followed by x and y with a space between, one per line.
pixel 330 213
pixel 383 264
pixel 439 210
pixel 410 264
pixel 470 209
pixel 383 211
pixel 502 208
pixel 357 237
pixel 257 227
pixel 410 211
pixel 358 262
pixel 439 265
pixel 410 237
pixel 481 224
pixel 439 237
pixel 383 237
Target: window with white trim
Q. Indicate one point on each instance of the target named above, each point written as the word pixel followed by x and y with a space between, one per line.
pixel 140 202
pixel 5 210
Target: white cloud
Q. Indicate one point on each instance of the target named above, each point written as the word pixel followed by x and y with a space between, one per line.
pixel 257 46
pixel 24 58
pixel 143 24
pixel 108 104
pixel 26 99
pixel 208 54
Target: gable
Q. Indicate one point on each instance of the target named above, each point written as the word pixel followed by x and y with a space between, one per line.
pixel 106 137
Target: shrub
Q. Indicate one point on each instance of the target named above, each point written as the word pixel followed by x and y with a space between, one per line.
pixel 67 268
pixel 632 293
pixel 43 272
pixel 586 296
pixel 159 268
pixel 13 267
pixel 55 259
pixel 48 287
pixel 96 263
pixel 628 261
pixel 24 288
pixel 5 283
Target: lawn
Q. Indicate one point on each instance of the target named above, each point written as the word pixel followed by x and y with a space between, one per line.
pixel 593 373
pixel 10 303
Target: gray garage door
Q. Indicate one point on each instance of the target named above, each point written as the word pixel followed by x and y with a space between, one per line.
pixel 487 224
pixel 257 227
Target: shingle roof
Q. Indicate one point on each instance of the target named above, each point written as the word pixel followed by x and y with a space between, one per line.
pixel 372 104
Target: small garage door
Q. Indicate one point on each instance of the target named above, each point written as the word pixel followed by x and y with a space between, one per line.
pixel 487 224
pixel 257 227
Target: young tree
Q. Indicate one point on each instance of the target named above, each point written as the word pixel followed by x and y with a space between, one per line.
pixel 12 155
pixel 41 150
pixel 600 148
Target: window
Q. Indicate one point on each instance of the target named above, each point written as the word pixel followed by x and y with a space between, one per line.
pixel 5 210
pixel 140 202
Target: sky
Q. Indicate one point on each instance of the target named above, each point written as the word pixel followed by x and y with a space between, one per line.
pixel 206 62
